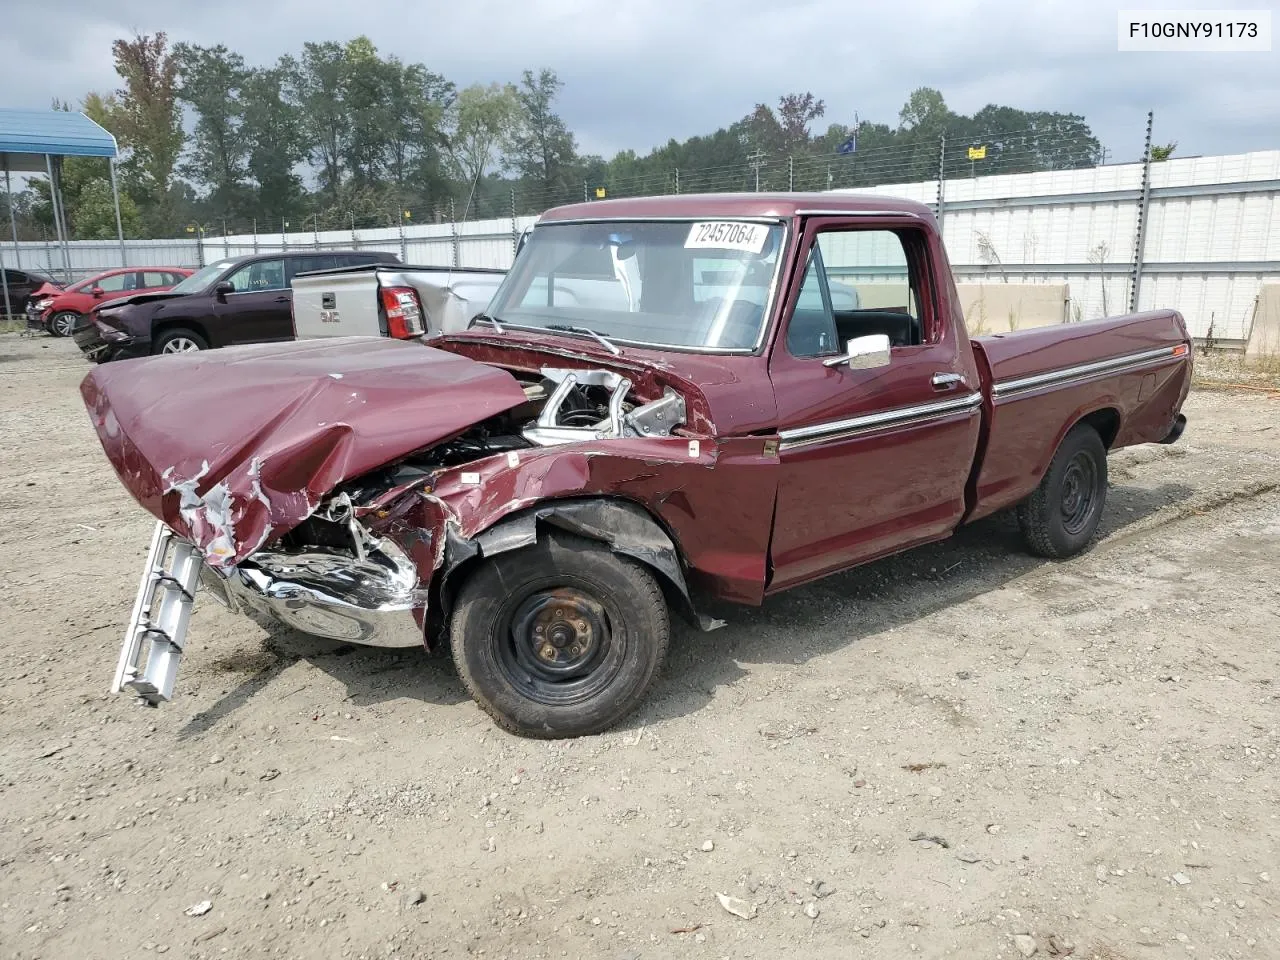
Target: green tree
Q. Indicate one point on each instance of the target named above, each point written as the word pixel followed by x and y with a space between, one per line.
pixel 319 83
pixel 764 133
pixel 271 128
pixel 366 112
pixel 922 122
pixel 796 111
pixel 148 123
pixel 211 81
pixel 925 112
pixel 482 119
pixel 1020 141
pixel 541 148
pixel 86 195
pixel 414 141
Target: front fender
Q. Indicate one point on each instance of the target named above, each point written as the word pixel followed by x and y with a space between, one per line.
pixel 698 512
pixel 626 528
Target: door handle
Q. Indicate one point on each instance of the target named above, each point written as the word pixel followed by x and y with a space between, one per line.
pixel 947 381
pixel 282 300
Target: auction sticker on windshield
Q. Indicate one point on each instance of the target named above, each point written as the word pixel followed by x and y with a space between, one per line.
pixel 727 235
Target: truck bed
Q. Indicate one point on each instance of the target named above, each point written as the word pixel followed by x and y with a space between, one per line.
pixel 347 302
pixel 1128 375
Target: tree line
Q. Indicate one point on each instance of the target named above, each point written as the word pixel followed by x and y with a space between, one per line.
pixel 340 135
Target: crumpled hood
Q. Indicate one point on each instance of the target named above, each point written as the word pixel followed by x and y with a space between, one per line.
pixel 235 447
pixel 142 298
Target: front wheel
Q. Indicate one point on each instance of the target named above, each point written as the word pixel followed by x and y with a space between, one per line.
pixel 562 639
pixel 1060 518
pixel 180 340
pixel 63 324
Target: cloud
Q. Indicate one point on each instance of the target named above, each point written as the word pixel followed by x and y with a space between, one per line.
pixel 638 73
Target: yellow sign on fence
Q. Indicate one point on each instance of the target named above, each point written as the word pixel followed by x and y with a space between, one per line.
pixel 978 153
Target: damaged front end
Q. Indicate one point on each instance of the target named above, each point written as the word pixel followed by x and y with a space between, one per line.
pixel 341 574
pixel 374 560
pixel 365 592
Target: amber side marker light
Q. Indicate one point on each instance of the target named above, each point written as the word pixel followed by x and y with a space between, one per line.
pixel 1181 350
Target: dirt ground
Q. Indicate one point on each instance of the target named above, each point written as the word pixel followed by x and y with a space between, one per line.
pixel 959 752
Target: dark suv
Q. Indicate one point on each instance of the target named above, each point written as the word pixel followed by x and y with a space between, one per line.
pixel 242 300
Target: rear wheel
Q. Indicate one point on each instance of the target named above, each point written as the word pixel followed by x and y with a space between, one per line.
pixel 63 324
pixel 1062 515
pixel 562 639
pixel 180 340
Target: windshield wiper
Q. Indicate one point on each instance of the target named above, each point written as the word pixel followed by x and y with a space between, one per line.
pixel 589 332
pixel 488 319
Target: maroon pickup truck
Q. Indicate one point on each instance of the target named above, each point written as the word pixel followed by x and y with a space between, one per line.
pixel 669 399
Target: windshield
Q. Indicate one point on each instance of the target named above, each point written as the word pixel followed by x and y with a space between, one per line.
pixel 688 284
pixel 201 278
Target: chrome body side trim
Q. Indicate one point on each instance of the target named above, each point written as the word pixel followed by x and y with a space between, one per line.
pixel 1085 371
pixel 900 417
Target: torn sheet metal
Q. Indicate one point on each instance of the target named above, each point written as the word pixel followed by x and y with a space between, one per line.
pixel 237 446
pixel 722 392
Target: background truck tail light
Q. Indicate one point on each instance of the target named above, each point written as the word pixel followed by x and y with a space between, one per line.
pixel 404 312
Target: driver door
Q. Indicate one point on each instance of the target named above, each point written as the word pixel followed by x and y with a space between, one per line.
pixel 257 310
pixel 872 459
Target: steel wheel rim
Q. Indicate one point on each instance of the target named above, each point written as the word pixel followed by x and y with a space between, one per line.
pixel 557 645
pixel 64 324
pixel 1079 493
pixel 180 345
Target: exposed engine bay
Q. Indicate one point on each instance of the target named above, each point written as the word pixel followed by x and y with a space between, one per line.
pixel 563 406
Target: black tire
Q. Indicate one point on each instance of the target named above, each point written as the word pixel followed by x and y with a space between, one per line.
pixel 1060 518
pixel 175 337
pixel 601 623
pixel 63 324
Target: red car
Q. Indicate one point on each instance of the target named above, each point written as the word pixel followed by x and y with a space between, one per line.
pixel 60 311
pixel 663 405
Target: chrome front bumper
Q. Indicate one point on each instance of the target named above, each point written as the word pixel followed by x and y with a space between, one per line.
pixel 369 602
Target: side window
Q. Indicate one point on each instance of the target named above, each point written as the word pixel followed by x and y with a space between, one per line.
pixel 859 283
pixel 173 279
pixel 812 330
pixel 116 283
pixel 259 276
pixel 874 284
pixel 152 278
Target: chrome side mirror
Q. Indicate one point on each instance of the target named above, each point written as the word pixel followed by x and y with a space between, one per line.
pixel 863 353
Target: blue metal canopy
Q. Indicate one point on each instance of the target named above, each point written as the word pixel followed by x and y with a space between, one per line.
pixel 28 136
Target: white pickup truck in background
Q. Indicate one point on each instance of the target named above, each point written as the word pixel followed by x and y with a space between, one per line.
pixel 381 300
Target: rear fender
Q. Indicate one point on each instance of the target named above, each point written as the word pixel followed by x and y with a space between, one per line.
pixel 1097 411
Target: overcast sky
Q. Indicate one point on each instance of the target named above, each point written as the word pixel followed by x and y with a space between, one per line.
pixel 638 72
